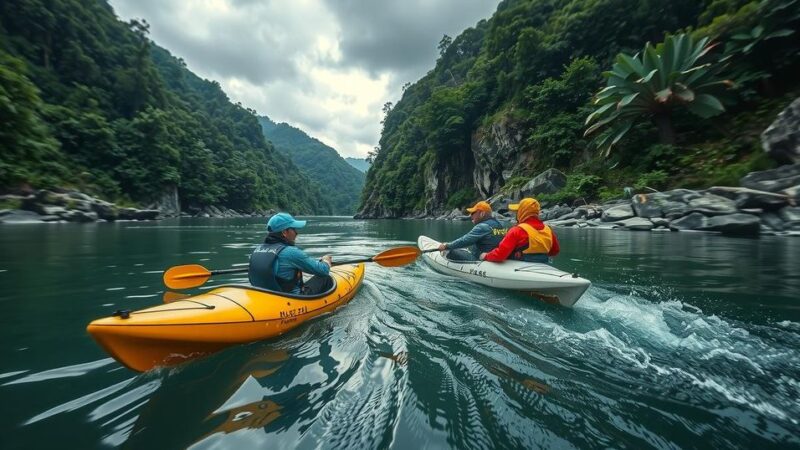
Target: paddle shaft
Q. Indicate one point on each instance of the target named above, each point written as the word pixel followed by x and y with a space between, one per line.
pixel 335 263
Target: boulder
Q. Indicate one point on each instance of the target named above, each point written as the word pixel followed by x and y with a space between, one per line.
pixel 20 216
pixel 556 212
pixel 548 182
pixel 773 180
pixel 745 198
pixel 694 221
pixel 790 216
pixel 617 213
pixel 648 205
pixel 771 221
pixel 781 140
pixel 105 210
pixel 48 210
pixel 734 224
pixel 75 215
pixel 637 223
pixel 710 204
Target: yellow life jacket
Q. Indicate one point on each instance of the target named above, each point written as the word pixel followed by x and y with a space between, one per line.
pixel 539 241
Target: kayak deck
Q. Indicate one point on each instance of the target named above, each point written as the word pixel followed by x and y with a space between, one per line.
pixel 170 334
pixel 541 281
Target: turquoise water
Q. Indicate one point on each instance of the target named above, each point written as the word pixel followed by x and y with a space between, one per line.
pixel 684 340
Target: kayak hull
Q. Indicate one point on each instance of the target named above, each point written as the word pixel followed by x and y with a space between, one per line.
pixel 169 334
pixel 541 281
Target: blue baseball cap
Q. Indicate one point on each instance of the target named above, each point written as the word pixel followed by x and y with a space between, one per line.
pixel 282 221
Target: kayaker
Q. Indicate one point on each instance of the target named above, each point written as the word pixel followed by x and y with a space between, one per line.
pixel 530 240
pixel 277 264
pixel 484 236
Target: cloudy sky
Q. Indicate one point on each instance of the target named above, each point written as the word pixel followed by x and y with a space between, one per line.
pixel 326 67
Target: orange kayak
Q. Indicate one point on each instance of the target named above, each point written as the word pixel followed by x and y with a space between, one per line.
pixel 170 334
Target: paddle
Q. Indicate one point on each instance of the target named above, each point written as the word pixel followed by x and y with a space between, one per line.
pixel 194 275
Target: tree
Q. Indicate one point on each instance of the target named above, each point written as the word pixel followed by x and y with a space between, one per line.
pixel 444 44
pixel 680 72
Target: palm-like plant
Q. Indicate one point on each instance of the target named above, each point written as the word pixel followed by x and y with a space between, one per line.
pixel 676 73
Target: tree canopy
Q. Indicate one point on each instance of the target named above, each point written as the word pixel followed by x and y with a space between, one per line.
pixel 90 102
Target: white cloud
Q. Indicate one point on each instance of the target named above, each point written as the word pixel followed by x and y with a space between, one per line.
pixel 324 67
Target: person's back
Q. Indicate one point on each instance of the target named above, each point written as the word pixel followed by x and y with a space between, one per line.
pixel 278 265
pixel 530 240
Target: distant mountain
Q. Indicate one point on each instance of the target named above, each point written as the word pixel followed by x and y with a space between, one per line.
pixel 340 183
pixel 360 164
pixel 89 102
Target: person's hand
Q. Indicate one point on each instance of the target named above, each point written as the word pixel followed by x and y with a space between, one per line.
pixel 483 256
pixel 328 259
pixel 442 247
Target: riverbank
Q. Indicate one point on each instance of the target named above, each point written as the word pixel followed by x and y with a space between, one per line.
pixel 46 206
pixel 765 203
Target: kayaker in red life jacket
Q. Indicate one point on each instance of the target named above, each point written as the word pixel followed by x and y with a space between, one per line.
pixel 530 240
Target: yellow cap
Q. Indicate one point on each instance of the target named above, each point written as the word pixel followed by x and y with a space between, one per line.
pixel 480 206
pixel 525 208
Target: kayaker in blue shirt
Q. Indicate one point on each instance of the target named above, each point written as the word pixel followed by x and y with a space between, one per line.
pixel 484 236
pixel 277 264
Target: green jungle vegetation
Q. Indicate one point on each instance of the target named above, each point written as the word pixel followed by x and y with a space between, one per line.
pixel 340 183
pixel 90 102
pixel 614 93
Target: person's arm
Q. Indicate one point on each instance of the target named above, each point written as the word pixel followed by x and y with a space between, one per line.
pixel 507 246
pixel 298 259
pixel 555 248
pixel 478 231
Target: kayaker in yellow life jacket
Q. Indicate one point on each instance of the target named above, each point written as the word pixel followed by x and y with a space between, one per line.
pixel 277 265
pixel 484 236
pixel 530 240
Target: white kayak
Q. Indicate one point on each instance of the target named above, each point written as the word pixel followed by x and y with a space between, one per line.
pixel 538 280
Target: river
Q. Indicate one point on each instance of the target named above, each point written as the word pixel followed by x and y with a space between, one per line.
pixel 684 340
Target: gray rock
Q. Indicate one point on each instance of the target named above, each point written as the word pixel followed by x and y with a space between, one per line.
pixel 660 222
pixel 548 182
pixel 617 213
pixel 648 205
pixel 781 140
pixel 20 216
pixel 790 215
pixel 745 198
pixel 793 193
pixel 673 210
pixel 694 221
pixel 556 212
pixel 587 212
pixel 126 213
pixel 637 223
pixel 495 150
pixel 105 210
pixel 48 210
pixel 681 195
pixel 169 204
pixel 771 221
pixel 734 224
pixel 773 180
pixel 74 215
pixel 710 204
pixel 563 223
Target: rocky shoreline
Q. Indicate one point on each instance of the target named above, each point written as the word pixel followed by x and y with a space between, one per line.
pixel 45 206
pixel 765 203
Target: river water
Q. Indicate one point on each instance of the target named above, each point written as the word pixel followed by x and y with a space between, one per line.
pixel 684 340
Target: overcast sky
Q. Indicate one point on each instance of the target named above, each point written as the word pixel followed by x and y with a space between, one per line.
pixel 326 67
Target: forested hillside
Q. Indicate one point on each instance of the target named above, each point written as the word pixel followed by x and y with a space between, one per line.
pixel 511 97
pixel 91 103
pixel 339 183
pixel 358 163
